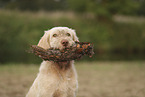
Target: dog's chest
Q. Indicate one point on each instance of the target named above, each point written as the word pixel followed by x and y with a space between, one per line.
pixel 67 82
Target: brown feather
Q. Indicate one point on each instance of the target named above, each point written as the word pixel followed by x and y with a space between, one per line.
pixel 67 54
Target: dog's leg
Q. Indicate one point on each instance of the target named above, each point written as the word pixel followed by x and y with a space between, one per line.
pixel 47 85
pixel 71 93
pixel 45 92
pixel 33 90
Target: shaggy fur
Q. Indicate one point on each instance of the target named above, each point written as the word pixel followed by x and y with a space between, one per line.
pixel 56 79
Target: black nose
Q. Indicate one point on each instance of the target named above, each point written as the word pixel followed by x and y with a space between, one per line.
pixel 64 42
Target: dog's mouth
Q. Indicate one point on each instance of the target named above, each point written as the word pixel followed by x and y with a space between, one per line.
pixel 64 47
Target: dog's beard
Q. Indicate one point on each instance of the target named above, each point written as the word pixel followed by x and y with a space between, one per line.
pixel 63 65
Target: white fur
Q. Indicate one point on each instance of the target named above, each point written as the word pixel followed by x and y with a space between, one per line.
pixel 52 81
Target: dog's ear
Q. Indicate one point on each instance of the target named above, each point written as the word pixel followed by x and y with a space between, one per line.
pixel 75 38
pixel 44 41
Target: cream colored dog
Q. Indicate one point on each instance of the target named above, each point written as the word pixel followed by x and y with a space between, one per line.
pixel 56 79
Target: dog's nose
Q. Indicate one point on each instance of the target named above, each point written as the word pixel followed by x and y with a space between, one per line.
pixel 64 42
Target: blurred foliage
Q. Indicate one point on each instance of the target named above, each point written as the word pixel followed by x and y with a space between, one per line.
pixel 113 41
pixel 141 10
pixel 97 6
pixel 33 5
pixel 102 9
pixel 93 21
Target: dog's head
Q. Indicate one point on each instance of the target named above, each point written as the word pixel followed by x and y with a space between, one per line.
pixel 58 37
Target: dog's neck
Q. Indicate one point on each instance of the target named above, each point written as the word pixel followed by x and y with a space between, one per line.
pixel 62 71
pixel 62 65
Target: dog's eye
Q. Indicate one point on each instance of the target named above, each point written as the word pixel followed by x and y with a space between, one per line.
pixel 68 34
pixel 54 35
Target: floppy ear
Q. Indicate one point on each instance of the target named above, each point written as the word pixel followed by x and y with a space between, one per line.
pixel 75 38
pixel 44 41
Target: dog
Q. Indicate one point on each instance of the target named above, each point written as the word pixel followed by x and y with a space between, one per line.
pixel 56 79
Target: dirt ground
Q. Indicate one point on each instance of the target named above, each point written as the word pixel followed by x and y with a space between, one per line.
pixel 96 79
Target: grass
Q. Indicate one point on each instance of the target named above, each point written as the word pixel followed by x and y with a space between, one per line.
pixel 96 79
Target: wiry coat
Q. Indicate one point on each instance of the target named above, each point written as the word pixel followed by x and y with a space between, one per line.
pixel 55 79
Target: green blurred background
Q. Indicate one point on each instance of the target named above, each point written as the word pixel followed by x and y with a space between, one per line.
pixel 115 27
